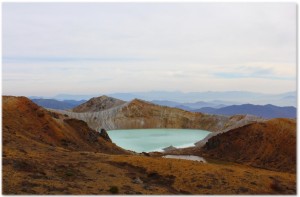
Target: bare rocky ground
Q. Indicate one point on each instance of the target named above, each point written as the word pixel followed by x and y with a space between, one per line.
pixel 142 114
pixel 49 153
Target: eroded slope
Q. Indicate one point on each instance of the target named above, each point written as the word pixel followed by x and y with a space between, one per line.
pixel 142 114
pixel 270 145
pixel 37 161
pixel 25 120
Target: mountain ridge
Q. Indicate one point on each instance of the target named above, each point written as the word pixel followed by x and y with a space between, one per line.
pixel 238 97
pixel 265 111
pixel 273 142
pixel 143 114
pixel 270 145
pixel 96 104
pixel 23 117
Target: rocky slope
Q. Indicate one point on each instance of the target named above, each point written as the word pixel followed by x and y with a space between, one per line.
pixel 24 119
pixel 98 104
pixel 48 153
pixel 270 145
pixel 142 114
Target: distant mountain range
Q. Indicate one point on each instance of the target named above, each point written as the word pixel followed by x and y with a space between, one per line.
pixel 217 98
pixel 189 106
pixel 55 104
pixel 264 111
pixel 69 104
pixel 226 98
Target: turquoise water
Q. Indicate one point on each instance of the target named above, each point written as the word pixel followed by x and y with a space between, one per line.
pixel 147 140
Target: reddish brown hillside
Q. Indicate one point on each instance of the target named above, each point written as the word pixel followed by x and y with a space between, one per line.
pixel 142 114
pixel 270 145
pixel 24 121
pixel 47 153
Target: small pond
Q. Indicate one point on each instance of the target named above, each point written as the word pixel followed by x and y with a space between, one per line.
pixel 186 157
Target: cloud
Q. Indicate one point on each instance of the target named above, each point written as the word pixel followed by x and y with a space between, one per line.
pixel 147 46
pixel 70 59
pixel 253 72
pixel 231 75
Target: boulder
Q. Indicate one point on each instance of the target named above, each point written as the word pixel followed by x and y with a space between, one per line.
pixel 169 148
pixel 146 154
pixel 104 135
pixel 137 180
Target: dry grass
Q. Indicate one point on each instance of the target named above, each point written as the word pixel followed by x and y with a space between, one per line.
pixel 199 178
pixel 270 145
pixel 41 171
pixel 36 161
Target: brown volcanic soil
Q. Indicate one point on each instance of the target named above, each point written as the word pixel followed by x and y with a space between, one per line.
pixel 270 145
pixel 98 104
pixel 41 170
pixel 35 161
pixel 24 119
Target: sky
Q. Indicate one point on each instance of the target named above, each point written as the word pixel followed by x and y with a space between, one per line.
pixel 95 48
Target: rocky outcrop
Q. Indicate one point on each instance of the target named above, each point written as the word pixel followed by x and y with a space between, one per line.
pixel 169 148
pixel 142 114
pixel 98 104
pixel 105 136
pixel 96 120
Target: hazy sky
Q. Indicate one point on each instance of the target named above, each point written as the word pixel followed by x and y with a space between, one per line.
pixel 94 48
